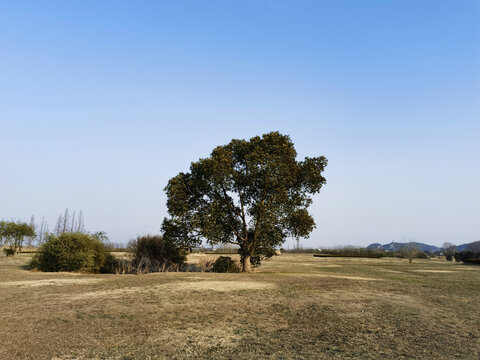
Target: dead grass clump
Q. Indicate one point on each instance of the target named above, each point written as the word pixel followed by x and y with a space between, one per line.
pixel 204 265
pixel 153 253
pixel 146 265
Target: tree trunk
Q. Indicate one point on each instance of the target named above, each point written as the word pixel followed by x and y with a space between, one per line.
pixel 246 265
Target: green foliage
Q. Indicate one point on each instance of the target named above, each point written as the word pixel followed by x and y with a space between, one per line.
pixel 153 253
pixel 13 234
pixel 253 194
pixel 224 264
pixel 256 261
pixel 73 252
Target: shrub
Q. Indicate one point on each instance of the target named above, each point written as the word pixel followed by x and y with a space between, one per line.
pixel 203 265
pixel 224 264
pixel 9 251
pixel 421 255
pixel 255 261
pixel 153 253
pixel 73 252
pixel 467 257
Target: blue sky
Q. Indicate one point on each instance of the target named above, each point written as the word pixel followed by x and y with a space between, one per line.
pixel 101 102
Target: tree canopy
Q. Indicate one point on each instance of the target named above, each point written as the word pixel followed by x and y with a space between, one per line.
pixel 13 233
pixel 253 194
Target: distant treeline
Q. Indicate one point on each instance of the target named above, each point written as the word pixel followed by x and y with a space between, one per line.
pixel 471 254
pixel 345 252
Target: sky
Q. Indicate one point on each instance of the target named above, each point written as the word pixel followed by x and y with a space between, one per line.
pixel 102 102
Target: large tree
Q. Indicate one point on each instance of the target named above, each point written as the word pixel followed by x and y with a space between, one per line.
pixel 253 194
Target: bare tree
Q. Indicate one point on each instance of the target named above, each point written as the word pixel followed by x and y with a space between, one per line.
pixel 40 231
pixel 80 226
pixel 409 251
pixel 449 250
pixel 58 226
pixel 65 224
pixel 72 225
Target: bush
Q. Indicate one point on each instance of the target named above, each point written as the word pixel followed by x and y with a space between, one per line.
pixel 467 257
pixel 73 252
pixel 224 264
pixel 255 261
pixel 421 255
pixel 9 251
pixel 153 253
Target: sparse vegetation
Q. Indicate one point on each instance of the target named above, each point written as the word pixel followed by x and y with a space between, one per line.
pixel 154 253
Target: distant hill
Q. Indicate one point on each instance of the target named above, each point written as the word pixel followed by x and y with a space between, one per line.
pixel 395 246
pixel 462 247
pixel 473 246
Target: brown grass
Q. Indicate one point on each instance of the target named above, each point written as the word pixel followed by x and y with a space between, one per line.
pixel 293 307
pixel 47 282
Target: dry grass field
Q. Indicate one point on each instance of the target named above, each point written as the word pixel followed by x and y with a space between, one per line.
pixel 293 307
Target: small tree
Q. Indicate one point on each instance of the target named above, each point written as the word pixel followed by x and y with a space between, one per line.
pixel 252 194
pixel 409 251
pixel 449 250
pixel 14 233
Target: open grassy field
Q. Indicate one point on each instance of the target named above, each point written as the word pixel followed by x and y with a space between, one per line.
pixel 293 307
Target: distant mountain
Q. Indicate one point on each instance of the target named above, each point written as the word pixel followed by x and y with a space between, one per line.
pixel 462 247
pixel 473 246
pixel 394 246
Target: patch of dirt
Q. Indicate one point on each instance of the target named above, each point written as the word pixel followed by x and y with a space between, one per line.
pixel 434 271
pixel 320 265
pixel 47 282
pixel 336 276
pixel 187 286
